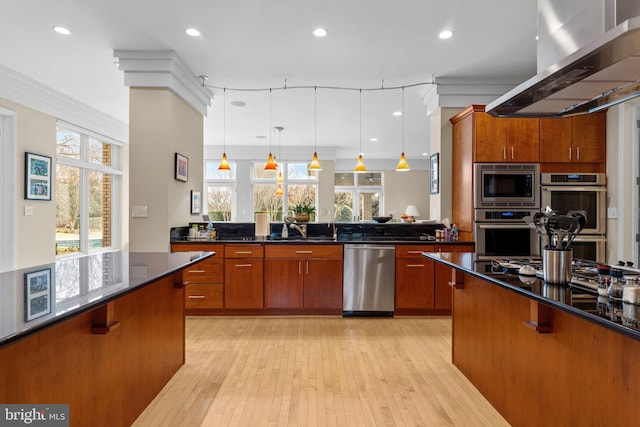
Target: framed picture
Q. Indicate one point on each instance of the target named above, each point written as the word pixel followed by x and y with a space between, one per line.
pixel 435 173
pixel 182 167
pixel 196 201
pixel 37 174
pixel 37 301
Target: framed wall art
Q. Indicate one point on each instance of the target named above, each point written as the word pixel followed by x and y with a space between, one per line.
pixel 182 167
pixel 435 173
pixel 37 177
pixel 37 301
pixel 196 201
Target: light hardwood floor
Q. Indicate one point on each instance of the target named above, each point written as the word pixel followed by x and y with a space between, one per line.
pixel 327 371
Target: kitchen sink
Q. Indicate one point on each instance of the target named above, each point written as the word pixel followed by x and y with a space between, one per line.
pixel 310 239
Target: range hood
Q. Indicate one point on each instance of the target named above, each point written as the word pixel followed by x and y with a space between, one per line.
pixel 602 73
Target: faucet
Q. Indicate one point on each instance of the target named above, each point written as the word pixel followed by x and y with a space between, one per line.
pixel 335 234
pixel 301 228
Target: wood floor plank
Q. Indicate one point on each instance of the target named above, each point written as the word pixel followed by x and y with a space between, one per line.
pixel 326 371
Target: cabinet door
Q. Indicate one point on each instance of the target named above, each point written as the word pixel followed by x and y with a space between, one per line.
pixel 322 283
pixel 555 140
pixel 589 136
pixel 414 283
pixel 243 284
pixel 283 283
pixel 523 140
pixel 204 296
pixel 490 138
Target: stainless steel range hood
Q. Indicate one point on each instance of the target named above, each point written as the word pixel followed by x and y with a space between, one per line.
pixel 602 73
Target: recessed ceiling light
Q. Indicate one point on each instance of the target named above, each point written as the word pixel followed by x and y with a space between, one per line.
pixel 397 113
pixel 446 34
pixel 62 30
pixel 320 32
pixel 238 103
pixel 192 32
pixel 425 154
pixel 374 140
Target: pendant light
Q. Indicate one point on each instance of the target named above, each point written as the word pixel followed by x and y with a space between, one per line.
pixel 403 166
pixel 224 164
pixel 271 164
pixel 280 179
pixel 315 163
pixel 360 167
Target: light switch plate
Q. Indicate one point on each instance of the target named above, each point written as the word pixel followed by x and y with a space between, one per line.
pixel 28 210
pixel 612 213
pixel 140 211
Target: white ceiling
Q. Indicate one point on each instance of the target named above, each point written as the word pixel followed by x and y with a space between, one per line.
pixel 258 44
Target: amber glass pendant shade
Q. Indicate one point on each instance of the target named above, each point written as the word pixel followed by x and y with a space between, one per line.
pixel 402 164
pixel 224 164
pixel 279 191
pixel 360 168
pixel 315 163
pixel 271 164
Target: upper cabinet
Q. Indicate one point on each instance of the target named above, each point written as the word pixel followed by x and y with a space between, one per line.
pixel 578 139
pixel 505 140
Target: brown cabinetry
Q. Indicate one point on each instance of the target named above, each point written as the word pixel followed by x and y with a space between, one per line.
pixel 504 140
pixel 205 289
pixel 579 139
pixel 422 285
pixel 304 277
pixel 243 276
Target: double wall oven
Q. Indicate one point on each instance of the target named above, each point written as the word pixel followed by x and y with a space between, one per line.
pixel 504 194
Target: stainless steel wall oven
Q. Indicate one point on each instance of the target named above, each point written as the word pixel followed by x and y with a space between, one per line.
pixel 501 233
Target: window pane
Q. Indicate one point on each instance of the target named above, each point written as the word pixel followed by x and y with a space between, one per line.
pixel 300 171
pixel 68 144
pixel 67 209
pixel 219 200
pixel 99 210
pixel 369 205
pixel 343 206
pixel 266 200
pixel 370 179
pixel 99 152
pixel 212 172
pixel 258 172
pixel 344 179
pixel 302 194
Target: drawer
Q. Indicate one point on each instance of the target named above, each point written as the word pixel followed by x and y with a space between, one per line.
pixel 244 251
pixel 206 271
pixel 413 251
pixel 204 247
pixel 303 251
pixel 204 296
pixel 454 248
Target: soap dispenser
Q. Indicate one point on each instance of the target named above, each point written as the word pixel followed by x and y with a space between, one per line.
pixel 285 231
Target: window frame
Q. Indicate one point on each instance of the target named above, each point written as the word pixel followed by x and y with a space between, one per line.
pixel 357 189
pixel 220 182
pixel 85 166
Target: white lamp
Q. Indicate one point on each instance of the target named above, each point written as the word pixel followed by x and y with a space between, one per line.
pixel 411 212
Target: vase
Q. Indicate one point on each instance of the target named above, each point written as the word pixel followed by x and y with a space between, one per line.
pixel 302 217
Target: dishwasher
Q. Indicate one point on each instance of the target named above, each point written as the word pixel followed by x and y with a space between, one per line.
pixel 369 280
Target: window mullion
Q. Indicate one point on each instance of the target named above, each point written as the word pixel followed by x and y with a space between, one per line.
pixel 84 210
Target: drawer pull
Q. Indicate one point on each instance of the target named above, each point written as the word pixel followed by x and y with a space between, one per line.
pixel 243 252
pixel 304 252
pixel 244 265
pixel 196 297
pixel 415 265
pixel 414 252
pixel 196 271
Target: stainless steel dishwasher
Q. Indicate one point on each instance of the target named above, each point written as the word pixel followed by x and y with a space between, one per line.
pixel 369 280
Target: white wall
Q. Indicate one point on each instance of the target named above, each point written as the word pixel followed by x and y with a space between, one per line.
pixel 406 188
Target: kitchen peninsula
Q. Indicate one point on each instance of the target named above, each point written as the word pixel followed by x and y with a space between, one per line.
pixel 543 354
pixel 102 333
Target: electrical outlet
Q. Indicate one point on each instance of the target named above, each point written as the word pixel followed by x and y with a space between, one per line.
pixel 28 210
pixel 612 213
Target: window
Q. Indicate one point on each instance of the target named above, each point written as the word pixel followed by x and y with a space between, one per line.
pixel 220 191
pixel 363 188
pixel 87 183
pixel 298 185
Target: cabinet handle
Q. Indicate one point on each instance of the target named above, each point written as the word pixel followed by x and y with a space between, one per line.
pixel 196 271
pixel 415 252
pixel 415 265
pixel 504 153
pixel 243 265
pixel 243 252
pixel 196 297
pixel 512 152
pixel 299 267
pixel 577 153
pixel 307 267
pixel 569 153
pixel 304 252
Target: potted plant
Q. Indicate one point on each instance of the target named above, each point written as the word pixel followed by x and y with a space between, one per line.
pixel 303 210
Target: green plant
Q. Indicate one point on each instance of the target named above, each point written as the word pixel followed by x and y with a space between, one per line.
pixel 303 207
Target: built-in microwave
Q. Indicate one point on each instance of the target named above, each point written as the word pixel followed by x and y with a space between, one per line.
pixel 585 192
pixel 502 233
pixel 506 185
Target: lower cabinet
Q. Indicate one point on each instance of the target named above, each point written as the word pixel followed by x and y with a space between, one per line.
pixel 243 277
pixel 206 278
pixel 303 277
pixel 422 285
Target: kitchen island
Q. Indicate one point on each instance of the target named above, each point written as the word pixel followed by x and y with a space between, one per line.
pixel 543 354
pixel 102 333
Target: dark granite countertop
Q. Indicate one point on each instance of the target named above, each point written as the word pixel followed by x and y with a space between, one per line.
pixel 328 240
pixel 38 297
pixel 617 316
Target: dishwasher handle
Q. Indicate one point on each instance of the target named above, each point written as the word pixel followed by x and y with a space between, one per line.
pixel 377 247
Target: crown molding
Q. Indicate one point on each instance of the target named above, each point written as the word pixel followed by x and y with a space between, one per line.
pixel 23 90
pixel 163 68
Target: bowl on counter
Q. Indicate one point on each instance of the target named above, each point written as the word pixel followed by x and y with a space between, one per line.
pixel 381 219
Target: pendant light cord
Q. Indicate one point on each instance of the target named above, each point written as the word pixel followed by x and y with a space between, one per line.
pixel 224 122
pixel 315 119
pixel 360 122
pixel 403 119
